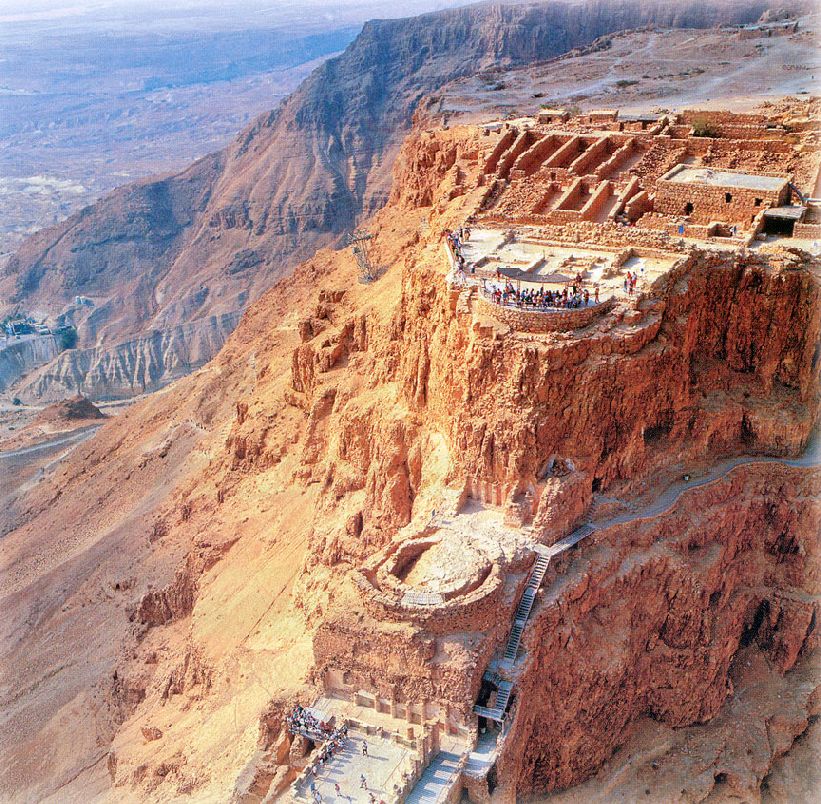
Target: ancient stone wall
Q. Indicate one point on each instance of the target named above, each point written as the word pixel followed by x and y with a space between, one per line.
pixel 616 160
pixel 399 663
pixel 810 231
pixel 531 159
pixel 548 321
pixel 477 610
pixel 502 145
pixel 720 117
pixel 601 195
pixel 704 203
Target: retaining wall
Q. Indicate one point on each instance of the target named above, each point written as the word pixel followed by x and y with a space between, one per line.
pixel 547 321
pixel 476 611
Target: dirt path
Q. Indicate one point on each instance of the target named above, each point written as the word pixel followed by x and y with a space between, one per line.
pixel 21 468
pixel 670 496
pixel 74 438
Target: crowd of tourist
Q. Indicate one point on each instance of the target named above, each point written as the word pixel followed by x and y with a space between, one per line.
pixel 573 296
pixel 569 298
pixel 456 239
pixel 301 721
pixel 332 741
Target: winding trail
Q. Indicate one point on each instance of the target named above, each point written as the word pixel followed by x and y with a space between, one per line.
pixel 76 437
pixel 669 497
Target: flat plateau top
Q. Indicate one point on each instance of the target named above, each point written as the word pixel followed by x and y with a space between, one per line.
pixel 727 178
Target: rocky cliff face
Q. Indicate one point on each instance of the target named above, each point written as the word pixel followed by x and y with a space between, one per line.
pixel 171 252
pixel 126 369
pixel 651 622
pixel 18 358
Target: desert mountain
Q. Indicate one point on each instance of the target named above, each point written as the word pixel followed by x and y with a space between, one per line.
pixel 243 540
pixel 170 263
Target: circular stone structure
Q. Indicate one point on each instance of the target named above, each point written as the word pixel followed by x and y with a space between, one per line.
pixel 446 566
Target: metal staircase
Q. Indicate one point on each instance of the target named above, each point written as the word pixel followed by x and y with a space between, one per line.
pixel 503 695
pixel 514 640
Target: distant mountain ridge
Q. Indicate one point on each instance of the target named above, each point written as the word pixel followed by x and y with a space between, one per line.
pixel 189 252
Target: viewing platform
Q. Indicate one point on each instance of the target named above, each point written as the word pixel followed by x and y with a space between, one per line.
pixel 532 284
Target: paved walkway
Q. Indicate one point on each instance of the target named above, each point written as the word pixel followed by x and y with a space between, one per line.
pixel 382 769
pixel 669 497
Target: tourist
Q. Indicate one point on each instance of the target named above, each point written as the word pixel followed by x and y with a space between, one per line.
pixel 337 789
pixel 364 749
pixel 596 295
pixel 363 784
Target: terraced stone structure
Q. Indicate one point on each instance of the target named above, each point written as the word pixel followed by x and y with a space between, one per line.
pixel 609 205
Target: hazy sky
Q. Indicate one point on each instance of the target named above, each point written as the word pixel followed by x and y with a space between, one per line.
pixel 97 10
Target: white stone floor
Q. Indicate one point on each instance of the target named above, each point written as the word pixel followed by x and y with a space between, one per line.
pixel 488 243
pixel 382 769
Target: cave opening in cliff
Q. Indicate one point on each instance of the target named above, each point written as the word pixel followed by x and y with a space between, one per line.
pixel 748 436
pixel 751 631
pixel 660 430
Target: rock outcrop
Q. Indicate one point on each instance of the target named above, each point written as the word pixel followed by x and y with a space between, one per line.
pixel 19 358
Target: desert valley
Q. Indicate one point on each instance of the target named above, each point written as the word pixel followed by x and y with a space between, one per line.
pixel 450 435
